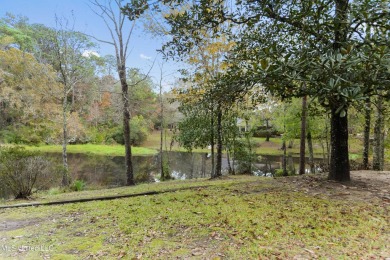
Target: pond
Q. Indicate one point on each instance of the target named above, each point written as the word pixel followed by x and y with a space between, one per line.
pixel 109 171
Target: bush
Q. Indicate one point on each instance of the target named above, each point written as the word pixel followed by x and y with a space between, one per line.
pixel 139 130
pixel 21 135
pixel 78 185
pixel 244 156
pixel 264 132
pixel 23 172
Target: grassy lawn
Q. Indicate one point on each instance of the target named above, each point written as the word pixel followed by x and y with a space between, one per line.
pixel 261 147
pixel 110 150
pixel 235 218
pixel 152 145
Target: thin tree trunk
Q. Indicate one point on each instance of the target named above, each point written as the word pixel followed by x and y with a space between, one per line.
pixel 65 174
pixel 366 140
pixel 327 144
pixel 284 147
pixel 162 172
pixel 218 170
pixel 203 168
pixel 228 161
pixel 284 162
pixel 339 161
pixel 212 145
pixel 311 152
pixel 267 131
pixel 303 137
pixel 114 19
pixel 248 140
pixel 126 125
pixel 377 162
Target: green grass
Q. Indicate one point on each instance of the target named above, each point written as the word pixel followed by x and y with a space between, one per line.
pixel 235 218
pixel 109 150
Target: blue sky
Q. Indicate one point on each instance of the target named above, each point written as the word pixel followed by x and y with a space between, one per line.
pixel 142 45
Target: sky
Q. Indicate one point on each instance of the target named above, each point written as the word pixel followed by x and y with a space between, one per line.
pixel 142 46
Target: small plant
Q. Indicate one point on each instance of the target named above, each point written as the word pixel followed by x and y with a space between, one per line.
pixel 78 185
pixel 55 191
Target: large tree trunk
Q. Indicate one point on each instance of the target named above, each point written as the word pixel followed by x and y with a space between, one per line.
pixel 377 160
pixel 339 156
pixel 126 125
pixel 218 167
pixel 366 139
pixel 339 160
pixel 302 148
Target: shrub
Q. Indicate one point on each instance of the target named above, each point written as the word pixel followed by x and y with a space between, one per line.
pixel 244 157
pixel 23 172
pixel 139 130
pixel 78 185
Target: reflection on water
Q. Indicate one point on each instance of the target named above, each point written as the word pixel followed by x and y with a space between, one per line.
pixel 109 171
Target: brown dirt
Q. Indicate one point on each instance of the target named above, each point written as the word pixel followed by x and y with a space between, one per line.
pixel 13 225
pixel 365 186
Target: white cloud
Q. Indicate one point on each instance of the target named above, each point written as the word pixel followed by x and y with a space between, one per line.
pixel 89 53
pixel 143 56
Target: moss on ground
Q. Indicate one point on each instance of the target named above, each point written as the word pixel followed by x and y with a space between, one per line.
pixel 234 218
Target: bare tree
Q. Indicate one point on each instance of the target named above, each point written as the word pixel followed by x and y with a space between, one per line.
pixel 67 59
pixel 110 13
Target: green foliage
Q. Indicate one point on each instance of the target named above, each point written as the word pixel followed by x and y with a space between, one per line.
pixel 23 171
pixel 24 135
pixel 194 130
pixel 245 156
pixel 262 132
pixel 11 35
pixel 166 172
pixel 78 185
pixel 97 135
pixel 139 130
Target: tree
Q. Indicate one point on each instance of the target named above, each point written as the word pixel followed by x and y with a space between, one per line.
pixel 379 136
pixel 283 44
pixel 115 20
pixel 302 150
pixel 366 133
pixel 27 96
pixel 66 56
